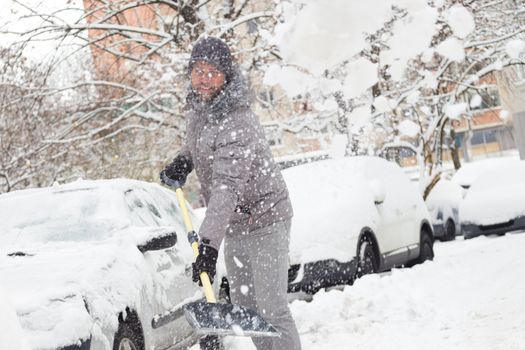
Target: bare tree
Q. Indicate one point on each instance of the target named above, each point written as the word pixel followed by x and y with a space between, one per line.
pixel 123 115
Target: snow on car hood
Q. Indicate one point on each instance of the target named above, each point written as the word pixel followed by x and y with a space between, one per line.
pixel 332 202
pixel 53 286
pixel 497 196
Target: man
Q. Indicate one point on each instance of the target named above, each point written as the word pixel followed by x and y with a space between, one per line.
pixel 246 197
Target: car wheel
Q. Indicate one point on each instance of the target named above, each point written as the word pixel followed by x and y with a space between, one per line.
pixel 367 263
pixel 450 230
pixel 427 248
pixel 127 339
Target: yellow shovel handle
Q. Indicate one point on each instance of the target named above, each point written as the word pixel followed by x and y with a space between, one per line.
pixel 205 279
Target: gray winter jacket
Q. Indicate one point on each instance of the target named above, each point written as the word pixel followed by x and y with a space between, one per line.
pixel 241 184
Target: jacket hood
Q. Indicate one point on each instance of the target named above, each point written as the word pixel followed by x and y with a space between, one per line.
pixel 235 94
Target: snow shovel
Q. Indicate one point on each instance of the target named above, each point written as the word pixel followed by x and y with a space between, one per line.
pixel 210 317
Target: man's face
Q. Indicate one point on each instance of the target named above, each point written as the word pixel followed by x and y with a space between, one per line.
pixel 206 80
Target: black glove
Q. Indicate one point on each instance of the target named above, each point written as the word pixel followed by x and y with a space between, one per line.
pixel 206 262
pixel 178 170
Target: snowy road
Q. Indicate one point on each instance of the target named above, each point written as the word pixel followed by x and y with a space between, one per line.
pixel 472 296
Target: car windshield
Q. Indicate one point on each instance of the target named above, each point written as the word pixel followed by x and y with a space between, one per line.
pixel 60 215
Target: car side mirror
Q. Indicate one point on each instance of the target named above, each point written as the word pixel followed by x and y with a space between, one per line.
pixel 378 191
pixel 159 243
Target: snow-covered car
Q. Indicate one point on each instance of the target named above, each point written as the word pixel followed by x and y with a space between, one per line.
pixel 353 216
pixel 97 265
pixel 11 335
pixel 443 204
pixel 495 203
pixel 469 172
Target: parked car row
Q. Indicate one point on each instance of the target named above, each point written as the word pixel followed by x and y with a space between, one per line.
pixel 93 264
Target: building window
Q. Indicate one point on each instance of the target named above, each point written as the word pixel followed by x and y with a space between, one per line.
pixel 480 137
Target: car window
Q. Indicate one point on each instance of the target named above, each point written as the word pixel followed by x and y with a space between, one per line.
pixel 81 214
pixel 144 211
pixel 167 202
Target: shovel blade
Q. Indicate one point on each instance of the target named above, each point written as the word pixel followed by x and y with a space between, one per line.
pixel 227 319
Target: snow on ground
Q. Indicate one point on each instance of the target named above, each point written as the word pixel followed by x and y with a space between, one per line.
pixel 470 297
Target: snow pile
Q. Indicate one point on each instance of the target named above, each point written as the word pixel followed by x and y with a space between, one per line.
pixel 467 298
pixel 496 196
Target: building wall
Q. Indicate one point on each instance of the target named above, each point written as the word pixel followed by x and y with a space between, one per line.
pixel 511 84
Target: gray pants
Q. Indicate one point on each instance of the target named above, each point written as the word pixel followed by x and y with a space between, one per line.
pixel 257 267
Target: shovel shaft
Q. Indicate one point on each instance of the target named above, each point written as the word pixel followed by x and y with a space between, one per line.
pixel 185 213
pixel 205 279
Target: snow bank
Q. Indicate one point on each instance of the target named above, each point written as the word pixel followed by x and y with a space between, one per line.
pixel 467 298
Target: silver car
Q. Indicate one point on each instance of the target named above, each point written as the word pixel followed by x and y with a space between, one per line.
pixel 97 265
